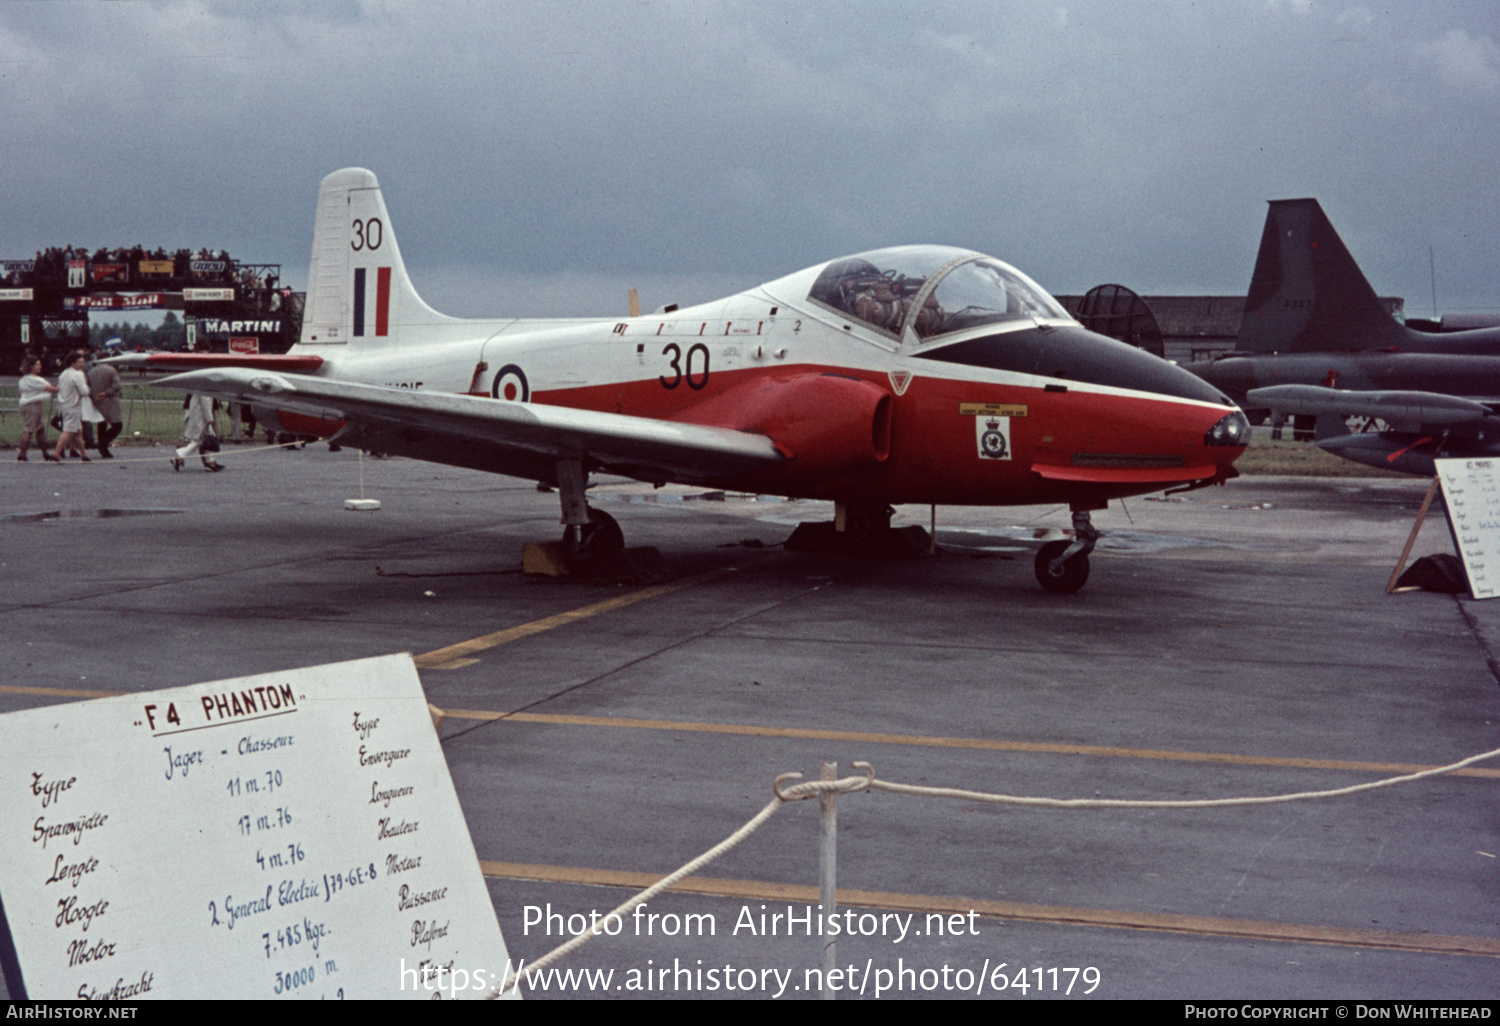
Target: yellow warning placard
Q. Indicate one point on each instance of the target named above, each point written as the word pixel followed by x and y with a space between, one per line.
pixel 992 410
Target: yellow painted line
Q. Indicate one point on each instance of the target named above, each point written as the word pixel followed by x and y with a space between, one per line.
pixel 1156 922
pixel 454 656
pixel 859 737
pixel 16 689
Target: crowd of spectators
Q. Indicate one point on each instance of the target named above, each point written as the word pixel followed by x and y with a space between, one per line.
pixel 139 269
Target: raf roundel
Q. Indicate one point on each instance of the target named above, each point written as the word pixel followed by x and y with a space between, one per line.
pixel 510 384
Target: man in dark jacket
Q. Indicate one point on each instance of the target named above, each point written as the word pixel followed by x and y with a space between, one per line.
pixel 105 388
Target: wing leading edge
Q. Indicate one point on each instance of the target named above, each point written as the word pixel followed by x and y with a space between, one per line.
pixel 195 361
pixel 524 439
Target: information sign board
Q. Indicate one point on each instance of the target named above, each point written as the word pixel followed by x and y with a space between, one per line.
pixel 1472 490
pixel 284 835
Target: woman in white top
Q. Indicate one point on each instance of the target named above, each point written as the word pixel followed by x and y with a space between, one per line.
pixel 32 393
pixel 72 389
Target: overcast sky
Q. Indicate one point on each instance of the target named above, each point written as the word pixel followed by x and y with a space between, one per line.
pixel 542 158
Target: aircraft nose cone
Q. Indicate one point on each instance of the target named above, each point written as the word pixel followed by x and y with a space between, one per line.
pixel 1233 430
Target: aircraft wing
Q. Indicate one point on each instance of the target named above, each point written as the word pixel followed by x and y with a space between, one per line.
pixel 1418 407
pixel 193 361
pixel 524 439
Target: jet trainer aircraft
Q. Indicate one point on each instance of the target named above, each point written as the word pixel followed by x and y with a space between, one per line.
pixel 1315 340
pixel 916 374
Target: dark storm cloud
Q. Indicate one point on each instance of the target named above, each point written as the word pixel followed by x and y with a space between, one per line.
pixel 539 158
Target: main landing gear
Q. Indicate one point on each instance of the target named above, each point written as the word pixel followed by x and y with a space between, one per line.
pixel 600 536
pixel 862 523
pixel 1063 566
pixel 592 544
pixel 587 533
pixel 860 529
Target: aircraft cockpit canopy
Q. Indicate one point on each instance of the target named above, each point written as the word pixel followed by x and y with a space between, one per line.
pixel 933 290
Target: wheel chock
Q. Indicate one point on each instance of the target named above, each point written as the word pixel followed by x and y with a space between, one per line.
pixel 548 559
pixel 552 559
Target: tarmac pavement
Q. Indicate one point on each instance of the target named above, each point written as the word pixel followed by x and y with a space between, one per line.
pixel 1232 641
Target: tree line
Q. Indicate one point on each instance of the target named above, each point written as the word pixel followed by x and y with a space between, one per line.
pixel 170 334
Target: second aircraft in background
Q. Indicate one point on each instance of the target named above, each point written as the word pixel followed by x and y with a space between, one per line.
pixel 1316 341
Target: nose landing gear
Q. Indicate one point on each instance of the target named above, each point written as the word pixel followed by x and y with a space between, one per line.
pixel 1062 566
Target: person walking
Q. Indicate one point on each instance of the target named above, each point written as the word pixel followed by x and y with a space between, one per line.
pixel 197 429
pixel 105 387
pixel 32 392
pixel 72 389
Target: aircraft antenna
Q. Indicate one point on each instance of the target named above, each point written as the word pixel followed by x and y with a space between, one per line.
pixel 1432 269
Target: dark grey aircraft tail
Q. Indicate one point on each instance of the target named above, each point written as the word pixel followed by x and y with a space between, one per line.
pixel 1307 294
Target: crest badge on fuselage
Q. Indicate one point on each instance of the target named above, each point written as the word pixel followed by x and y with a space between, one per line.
pixel 993 436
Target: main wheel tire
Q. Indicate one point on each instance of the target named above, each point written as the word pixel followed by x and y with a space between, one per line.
pixel 1066 578
pixel 600 535
pixel 863 524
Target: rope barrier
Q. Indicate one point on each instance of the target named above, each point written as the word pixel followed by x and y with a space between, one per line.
pixel 1207 803
pixel 848 785
pixel 225 452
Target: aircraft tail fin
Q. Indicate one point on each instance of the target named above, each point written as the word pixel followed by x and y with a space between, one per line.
pixel 358 293
pixel 1307 294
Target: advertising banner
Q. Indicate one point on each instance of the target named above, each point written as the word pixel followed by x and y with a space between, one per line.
pixel 145 301
pixel 207 295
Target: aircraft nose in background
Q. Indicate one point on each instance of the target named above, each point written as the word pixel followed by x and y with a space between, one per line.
pixel 1233 376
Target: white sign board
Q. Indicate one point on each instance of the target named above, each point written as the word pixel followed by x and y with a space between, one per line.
pixel 1472 491
pixel 288 835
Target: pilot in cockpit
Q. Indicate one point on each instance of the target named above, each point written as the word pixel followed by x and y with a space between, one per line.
pixel 883 298
pixel 884 301
pixel 877 302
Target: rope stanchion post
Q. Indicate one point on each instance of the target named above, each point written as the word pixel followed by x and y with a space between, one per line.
pixel 828 854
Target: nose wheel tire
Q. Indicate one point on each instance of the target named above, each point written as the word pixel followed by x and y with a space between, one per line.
pixel 1064 578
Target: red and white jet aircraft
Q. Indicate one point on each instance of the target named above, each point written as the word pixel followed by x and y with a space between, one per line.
pixel 916 374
